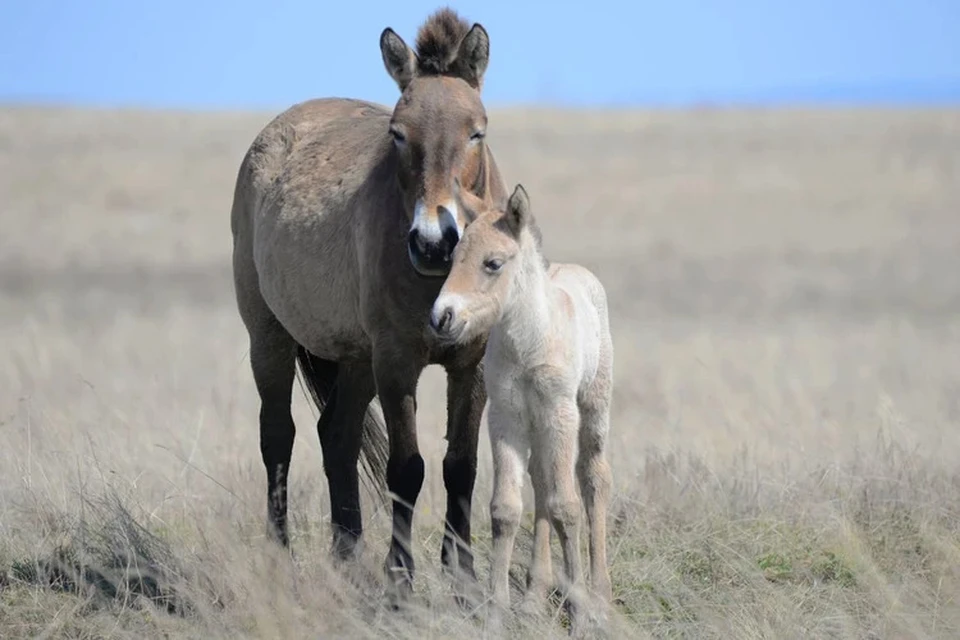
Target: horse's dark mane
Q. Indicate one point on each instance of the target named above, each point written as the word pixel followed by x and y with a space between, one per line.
pixel 438 40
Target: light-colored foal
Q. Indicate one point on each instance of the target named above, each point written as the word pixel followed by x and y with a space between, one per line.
pixel 548 369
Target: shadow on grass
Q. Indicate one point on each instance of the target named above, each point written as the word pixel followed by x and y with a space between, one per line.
pixel 109 558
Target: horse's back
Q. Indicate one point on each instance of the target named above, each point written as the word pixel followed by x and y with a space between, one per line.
pixel 282 153
pixel 307 177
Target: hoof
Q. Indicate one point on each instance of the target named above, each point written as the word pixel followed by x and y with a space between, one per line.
pixel 532 606
pixel 588 621
pixel 496 619
pixel 467 592
pixel 399 583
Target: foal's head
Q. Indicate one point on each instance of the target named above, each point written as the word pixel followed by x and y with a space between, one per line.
pixel 438 128
pixel 488 265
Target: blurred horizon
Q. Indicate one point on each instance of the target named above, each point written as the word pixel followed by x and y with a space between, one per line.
pixel 215 55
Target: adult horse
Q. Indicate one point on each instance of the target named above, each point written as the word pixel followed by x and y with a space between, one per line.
pixel 344 222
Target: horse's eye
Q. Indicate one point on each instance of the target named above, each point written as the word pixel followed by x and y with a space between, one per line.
pixel 477 136
pixel 398 137
pixel 492 264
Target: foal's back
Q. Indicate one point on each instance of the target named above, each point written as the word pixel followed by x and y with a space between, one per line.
pixel 582 322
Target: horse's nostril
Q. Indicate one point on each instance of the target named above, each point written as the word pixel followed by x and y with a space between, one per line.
pixel 417 242
pixel 450 239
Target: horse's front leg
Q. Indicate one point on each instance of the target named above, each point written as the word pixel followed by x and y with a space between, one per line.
pixel 396 376
pixel 466 397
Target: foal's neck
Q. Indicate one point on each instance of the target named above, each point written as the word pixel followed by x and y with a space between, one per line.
pixel 526 315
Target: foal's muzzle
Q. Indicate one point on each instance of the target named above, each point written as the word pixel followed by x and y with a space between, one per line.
pixel 444 323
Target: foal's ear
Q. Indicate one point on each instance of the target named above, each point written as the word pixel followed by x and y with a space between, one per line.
pixel 518 210
pixel 399 59
pixel 473 56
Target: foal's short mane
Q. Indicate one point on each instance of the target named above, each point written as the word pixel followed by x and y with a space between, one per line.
pixel 438 40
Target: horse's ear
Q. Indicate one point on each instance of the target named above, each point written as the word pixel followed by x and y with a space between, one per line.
pixel 473 56
pixel 399 59
pixel 518 210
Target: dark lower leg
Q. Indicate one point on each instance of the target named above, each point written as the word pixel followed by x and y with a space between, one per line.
pixel 276 447
pixel 341 430
pixel 341 448
pixel 459 476
pixel 396 382
pixel 272 359
pixel 404 479
pixel 466 397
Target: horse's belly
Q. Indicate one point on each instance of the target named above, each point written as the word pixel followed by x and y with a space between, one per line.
pixel 310 282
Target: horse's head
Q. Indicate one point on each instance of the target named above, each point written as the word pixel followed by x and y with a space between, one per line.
pixel 438 128
pixel 486 267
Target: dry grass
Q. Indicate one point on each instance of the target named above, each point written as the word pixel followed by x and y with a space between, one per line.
pixel 785 290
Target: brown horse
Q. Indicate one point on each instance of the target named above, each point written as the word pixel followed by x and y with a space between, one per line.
pixel 344 223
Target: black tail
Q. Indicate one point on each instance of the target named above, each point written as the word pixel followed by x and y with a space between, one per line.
pixel 320 377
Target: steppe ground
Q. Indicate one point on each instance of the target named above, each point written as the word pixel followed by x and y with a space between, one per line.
pixel 785 296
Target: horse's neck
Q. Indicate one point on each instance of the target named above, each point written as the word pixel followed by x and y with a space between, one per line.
pixel 526 317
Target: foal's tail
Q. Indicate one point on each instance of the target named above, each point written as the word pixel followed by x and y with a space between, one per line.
pixel 321 382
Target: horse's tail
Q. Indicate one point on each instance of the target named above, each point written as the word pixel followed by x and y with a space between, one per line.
pixel 320 376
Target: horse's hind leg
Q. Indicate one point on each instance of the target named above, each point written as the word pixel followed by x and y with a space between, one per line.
pixel 272 358
pixel 341 431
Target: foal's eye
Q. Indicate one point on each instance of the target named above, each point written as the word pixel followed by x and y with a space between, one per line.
pixel 492 264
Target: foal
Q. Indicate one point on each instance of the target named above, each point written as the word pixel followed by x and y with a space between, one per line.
pixel 548 372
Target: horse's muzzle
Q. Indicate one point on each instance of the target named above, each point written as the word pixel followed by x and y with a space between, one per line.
pixel 432 259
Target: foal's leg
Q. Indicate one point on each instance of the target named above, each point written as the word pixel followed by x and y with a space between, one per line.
pixel 556 438
pixel 341 430
pixel 396 377
pixel 541 565
pixel 509 444
pixel 593 471
pixel 272 358
pixel 466 397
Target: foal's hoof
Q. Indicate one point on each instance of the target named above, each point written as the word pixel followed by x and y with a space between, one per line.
pixel 531 606
pixel 588 621
pixel 399 583
pixel 467 592
pixel 496 619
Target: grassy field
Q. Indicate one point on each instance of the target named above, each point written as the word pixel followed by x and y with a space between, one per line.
pixel 785 297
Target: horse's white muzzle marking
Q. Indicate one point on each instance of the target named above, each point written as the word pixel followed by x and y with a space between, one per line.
pixel 433 230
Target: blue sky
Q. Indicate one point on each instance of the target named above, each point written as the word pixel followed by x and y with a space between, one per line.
pixel 245 54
